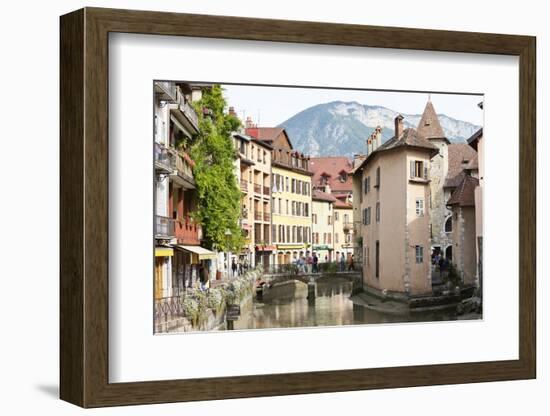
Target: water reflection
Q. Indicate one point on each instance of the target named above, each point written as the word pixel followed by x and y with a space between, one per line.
pixel 288 306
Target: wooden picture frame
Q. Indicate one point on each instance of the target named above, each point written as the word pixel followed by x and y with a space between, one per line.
pixel 84 207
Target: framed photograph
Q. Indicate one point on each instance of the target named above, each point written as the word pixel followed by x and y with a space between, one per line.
pixel 256 207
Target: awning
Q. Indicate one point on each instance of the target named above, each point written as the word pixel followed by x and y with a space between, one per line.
pixel 203 253
pixel 164 252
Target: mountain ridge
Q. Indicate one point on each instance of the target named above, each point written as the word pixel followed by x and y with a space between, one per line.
pixel 340 128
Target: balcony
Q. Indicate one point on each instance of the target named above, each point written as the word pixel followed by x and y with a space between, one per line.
pixel 182 169
pixel 267 216
pixel 244 185
pixel 166 90
pixel 266 190
pixel 162 159
pixel 258 215
pixel 164 227
pixel 187 231
pixel 347 226
pixel 190 114
pixel 257 188
pixel 185 116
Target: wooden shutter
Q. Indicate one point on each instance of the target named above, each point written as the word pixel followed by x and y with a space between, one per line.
pixel 412 169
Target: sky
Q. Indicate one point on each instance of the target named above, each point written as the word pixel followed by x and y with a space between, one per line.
pixel 270 106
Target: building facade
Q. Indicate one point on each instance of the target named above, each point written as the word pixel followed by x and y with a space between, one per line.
pixel 290 195
pixel 253 172
pixel 178 255
pixel 322 225
pixel 395 215
pixel 333 175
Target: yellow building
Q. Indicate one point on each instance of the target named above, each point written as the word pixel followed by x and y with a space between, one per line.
pixel 290 197
pixel 322 227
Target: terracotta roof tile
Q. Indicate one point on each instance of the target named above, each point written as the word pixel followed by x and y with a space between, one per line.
pixel 264 133
pixel 332 166
pixel 409 137
pixel 429 127
pixel 342 204
pixel 458 153
pixel 322 196
pixel 464 194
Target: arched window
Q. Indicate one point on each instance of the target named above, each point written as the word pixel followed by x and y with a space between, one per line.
pixel 449 225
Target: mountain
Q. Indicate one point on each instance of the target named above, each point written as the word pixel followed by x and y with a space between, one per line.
pixel 340 128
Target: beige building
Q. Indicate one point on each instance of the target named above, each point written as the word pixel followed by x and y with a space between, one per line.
pixel 291 195
pixel 343 229
pixel 476 142
pixel 322 225
pixel 253 171
pixel 462 203
pixel 395 215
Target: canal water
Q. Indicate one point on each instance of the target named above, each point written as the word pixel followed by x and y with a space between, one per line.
pixel 287 306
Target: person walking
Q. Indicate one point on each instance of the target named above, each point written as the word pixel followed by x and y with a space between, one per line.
pixel 351 265
pixel 234 267
pixel 315 263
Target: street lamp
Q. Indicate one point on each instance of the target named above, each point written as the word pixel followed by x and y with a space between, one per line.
pixel 228 235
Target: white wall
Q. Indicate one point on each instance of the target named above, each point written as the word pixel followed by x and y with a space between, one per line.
pixel 29 359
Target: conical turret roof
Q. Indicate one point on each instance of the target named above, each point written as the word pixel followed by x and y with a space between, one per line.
pixel 429 127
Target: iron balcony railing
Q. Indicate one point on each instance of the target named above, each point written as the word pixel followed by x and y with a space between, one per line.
pixel 162 158
pixel 164 226
pixel 190 113
pixel 167 90
pixel 266 190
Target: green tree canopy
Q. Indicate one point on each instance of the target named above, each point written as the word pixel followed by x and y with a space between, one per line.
pixel 218 193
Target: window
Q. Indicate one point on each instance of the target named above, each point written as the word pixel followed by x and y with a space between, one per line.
pixel 419 207
pixel 343 176
pixel 329 220
pixel 449 225
pixel 378 212
pixel 286 180
pixel 329 235
pixel 280 206
pixel 366 216
pixel 287 207
pixel 293 207
pixel 314 218
pixel 377 177
pixel 336 215
pixel 419 253
pixel 324 238
pixel 336 238
pixel 293 233
pixel 288 234
pixel 306 210
pixel 418 170
pixel 274 233
pixel 293 186
pixel 273 203
pixel 366 184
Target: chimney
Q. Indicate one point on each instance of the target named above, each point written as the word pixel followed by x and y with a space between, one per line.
pixel 232 112
pixel 369 146
pixel 398 125
pixel 248 123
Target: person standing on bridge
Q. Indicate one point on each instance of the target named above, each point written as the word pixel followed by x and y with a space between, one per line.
pixel 309 263
pixel 351 265
pixel 315 263
pixel 342 262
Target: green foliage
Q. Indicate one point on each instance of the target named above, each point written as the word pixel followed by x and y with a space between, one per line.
pixel 213 153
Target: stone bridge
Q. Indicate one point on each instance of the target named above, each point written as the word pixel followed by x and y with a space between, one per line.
pixel 270 280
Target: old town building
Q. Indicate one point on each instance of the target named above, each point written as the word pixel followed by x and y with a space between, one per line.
pixel 322 225
pixel 332 175
pixel 253 172
pixel 395 216
pixel 291 194
pixel 178 254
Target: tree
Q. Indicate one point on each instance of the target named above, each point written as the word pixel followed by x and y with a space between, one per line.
pixel 218 193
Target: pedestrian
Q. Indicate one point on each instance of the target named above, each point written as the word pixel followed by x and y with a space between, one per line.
pixel 309 262
pixel 315 263
pixel 342 262
pixel 241 266
pixel 351 264
pixel 234 267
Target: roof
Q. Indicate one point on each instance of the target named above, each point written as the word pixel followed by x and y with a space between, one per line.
pixel 332 166
pixel 458 152
pixel 429 127
pixel 409 138
pixel 474 139
pixel 342 204
pixel 267 134
pixel 322 196
pixel 464 194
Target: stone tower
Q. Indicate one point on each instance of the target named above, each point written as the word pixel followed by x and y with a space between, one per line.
pixel 429 128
